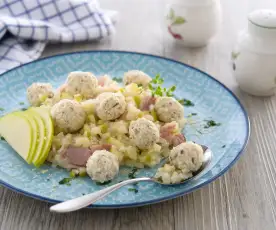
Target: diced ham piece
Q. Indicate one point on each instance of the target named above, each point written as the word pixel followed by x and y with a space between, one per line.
pixel 78 155
pixel 94 148
pixel 146 102
pixel 106 84
pixel 62 88
pixel 66 165
pixel 101 80
pixel 105 81
pixel 178 139
pixel 167 130
pixel 167 133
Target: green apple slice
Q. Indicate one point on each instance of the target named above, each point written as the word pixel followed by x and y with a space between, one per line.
pixel 35 129
pixel 18 132
pixel 41 141
pixel 49 128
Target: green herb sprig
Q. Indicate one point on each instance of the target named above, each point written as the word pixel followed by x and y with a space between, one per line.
pixel 211 123
pixel 186 102
pixel 192 114
pixel 133 190
pixel 132 174
pixel 156 87
pixel 104 183
pixel 157 90
pixel 66 181
pixel 117 79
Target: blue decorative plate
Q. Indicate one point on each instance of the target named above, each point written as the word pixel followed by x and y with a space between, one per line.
pixel 212 100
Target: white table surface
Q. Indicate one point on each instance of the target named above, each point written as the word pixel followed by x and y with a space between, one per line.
pixel 244 198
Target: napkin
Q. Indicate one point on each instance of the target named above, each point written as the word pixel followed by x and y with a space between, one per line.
pixel 26 26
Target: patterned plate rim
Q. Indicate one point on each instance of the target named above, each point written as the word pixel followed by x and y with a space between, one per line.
pixel 153 201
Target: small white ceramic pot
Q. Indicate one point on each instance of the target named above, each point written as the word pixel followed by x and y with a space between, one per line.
pixel 193 23
pixel 254 57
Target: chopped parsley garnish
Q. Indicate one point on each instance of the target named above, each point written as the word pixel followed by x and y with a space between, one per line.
pixel 192 114
pixel 156 87
pixel 66 181
pixel 186 102
pixel 21 103
pixel 132 175
pixel 104 183
pixel 133 190
pixel 211 123
pixel 118 79
pixel 2 109
pixel 199 131
pixel 2 139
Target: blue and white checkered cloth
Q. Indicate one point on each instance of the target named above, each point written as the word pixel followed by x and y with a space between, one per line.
pixel 26 26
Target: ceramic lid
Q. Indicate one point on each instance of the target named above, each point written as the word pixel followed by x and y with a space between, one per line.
pixel 263 18
pixel 262 23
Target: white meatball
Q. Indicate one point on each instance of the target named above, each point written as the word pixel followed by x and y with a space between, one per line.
pixel 187 156
pixel 110 106
pixel 104 95
pixel 38 92
pixel 102 166
pixel 168 109
pixel 84 83
pixel 136 76
pixel 68 115
pixel 144 133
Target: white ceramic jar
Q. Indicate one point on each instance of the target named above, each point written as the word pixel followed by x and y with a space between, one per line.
pixel 254 57
pixel 193 23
